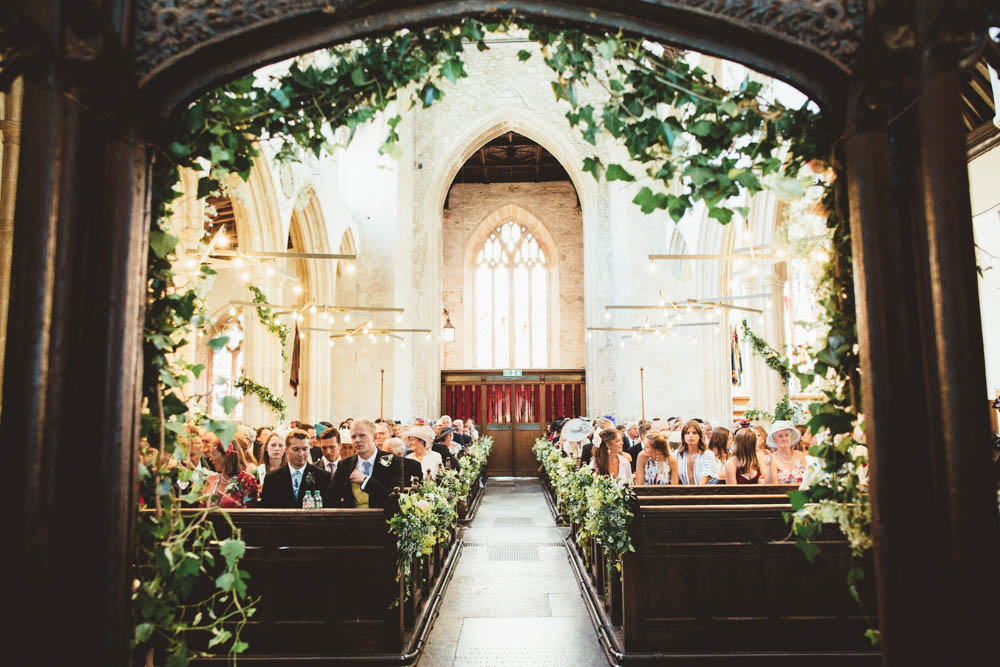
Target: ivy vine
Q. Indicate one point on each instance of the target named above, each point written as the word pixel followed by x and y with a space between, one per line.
pixel 250 388
pixel 269 319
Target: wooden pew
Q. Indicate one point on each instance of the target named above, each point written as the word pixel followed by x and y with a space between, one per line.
pixel 326 580
pixel 717 580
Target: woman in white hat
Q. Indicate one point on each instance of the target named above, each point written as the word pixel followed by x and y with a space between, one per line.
pixel 789 465
pixel 572 435
pixel 420 439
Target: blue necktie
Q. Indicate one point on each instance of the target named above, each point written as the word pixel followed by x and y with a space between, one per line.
pixel 296 480
pixel 366 467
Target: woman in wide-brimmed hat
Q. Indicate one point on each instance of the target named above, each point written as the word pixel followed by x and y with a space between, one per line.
pixel 571 436
pixel 420 439
pixel 789 464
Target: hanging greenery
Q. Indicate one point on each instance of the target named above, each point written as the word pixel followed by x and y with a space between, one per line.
pixel 270 320
pixel 771 357
pixel 250 388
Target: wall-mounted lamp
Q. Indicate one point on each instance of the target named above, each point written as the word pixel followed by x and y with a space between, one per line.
pixel 449 328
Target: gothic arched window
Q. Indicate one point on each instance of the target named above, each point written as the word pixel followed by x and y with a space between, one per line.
pixel 512 309
pixel 226 366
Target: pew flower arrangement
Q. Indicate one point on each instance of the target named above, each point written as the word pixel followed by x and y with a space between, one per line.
pixel 428 513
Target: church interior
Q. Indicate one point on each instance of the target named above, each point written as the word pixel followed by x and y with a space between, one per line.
pixel 462 369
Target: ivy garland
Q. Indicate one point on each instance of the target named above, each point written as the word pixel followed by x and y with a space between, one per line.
pixel 270 320
pixel 698 144
pixel 250 388
pixel 785 409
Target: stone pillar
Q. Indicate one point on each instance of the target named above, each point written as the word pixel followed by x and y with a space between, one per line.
pixel 774 331
pixel 262 360
pixel 10 135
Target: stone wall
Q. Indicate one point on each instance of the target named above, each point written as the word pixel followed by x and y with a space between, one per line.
pixel 470 217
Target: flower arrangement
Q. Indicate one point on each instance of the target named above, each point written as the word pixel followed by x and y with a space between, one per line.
pixel 427 514
pixel 597 505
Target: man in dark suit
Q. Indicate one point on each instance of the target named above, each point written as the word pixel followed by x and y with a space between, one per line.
pixel 460 436
pixel 329 444
pixel 286 486
pixel 367 478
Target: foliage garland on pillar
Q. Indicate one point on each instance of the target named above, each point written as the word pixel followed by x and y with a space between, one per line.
pixel 250 388
pixel 785 409
pixel 270 320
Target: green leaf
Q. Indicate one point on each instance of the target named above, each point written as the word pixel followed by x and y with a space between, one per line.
pixel 358 76
pixel 593 165
pixel 143 632
pixel 615 172
pixel 173 405
pixel 196 369
pixel 232 550
pixel 700 128
pixel 560 91
pixel 797 499
pixel 206 186
pixel 223 428
pixel 523 55
pixel 219 155
pixel 281 97
pixel 809 549
pixel 161 243
pixel 217 344
pixel 453 70
pixel 229 404
pixel 220 636
pixel 178 659
pixel 699 175
pixel 179 150
pixel 225 581
pixel 874 636
pixel 723 215
pixel 746 178
pixel 607 48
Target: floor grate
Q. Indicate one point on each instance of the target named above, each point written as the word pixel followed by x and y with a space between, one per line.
pixel 513 552
pixel 514 522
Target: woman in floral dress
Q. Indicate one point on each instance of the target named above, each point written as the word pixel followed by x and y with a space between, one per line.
pixel 232 487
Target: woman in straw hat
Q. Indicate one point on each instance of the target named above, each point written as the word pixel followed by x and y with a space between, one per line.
pixel 789 464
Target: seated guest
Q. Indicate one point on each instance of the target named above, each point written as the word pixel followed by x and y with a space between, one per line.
pixel 470 428
pixel 258 443
pixel 632 439
pixel 747 464
pixel 314 451
pixel 573 434
pixel 461 437
pixel 420 440
pixel 346 446
pixel 695 463
pixel 655 465
pixel 762 442
pixel 329 444
pixel 608 459
pixel 286 486
pixel 367 478
pixel 382 433
pixel 246 446
pixel 273 457
pixel 232 487
pixel 806 440
pixel 443 443
pixel 396 429
pixel 718 444
pixel 412 472
pixel 789 465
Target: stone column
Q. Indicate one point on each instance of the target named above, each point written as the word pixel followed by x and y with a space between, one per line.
pixel 774 332
pixel 262 360
pixel 10 135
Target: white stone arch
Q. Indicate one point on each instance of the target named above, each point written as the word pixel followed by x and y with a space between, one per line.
pixel 593 209
pixel 483 230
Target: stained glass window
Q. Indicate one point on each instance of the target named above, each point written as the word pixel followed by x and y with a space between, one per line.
pixel 511 292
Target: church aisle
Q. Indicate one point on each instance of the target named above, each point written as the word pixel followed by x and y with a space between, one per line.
pixel 513 599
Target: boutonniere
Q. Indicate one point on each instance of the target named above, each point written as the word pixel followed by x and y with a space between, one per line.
pixel 386 460
pixel 310 478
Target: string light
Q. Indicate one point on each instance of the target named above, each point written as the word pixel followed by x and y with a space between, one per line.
pixel 331 342
pixel 369 324
pixel 399 318
pixel 232 310
pixel 386 339
pixel 312 310
pixel 688 309
pixel 652 267
pixel 269 271
pixel 427 337
pixel 189 263
pixel 347 317
pixel 222 240
pixel 238 262
pixel 780 252
pixel 589 335
pixel 607 314
pixel 662 302
pixel 302 335
pixel 402 343
pixel 350 339
pixel 200 334
pixel 297 289
pixel 245 277
pixel 350 268
pixel 365 331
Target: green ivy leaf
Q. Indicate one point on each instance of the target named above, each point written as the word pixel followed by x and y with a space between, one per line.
pixel 453 70
pixel 232 550
pixel 196 369
pixel 143 632
pixel 220 635
pixel 224 429
pixel 809 549
pixel 607 48
pixel 523 55
pixel 229 404
pixel 281 97
pixel 874 636
pixel 615 172
pixel 797 499
pixel 723 215
pixel 217 344
pixel 206 186
pixel 161 243
pixel 701 128
pixel 593 165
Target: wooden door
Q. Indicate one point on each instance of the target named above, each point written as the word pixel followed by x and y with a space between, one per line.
pixel 514 411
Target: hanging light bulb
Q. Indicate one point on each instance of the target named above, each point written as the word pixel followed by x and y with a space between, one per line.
pixel 780 252
pixel 652 266
pixel 369 324
pixel 312 310
pixel 386 338
pixel 350 338
pixel 189 263
pixel 245 277
pixel 238 262
pixel 269 271
pixel 399 317
pixel 589 335
pixel 670 324
pixel 331 342
pixel 402 343
pixel 232 310
pixel 222 241
pixel 427 337
pixel 200 334
pixel 297 289
pixel 365 330
pixel 350 268
pixel 662 302
pixel 607 314
pixel 302 335
pixel 347 317
pixel 688 309
pixel 621 343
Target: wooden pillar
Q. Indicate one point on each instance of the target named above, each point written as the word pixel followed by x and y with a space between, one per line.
pixel 10 134
pixel 934 507
pixel 72 363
